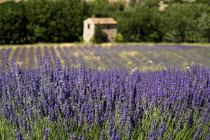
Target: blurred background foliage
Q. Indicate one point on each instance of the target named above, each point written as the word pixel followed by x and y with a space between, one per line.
pixel 35 21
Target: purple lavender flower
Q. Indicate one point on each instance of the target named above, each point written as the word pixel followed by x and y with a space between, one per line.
pixel 19 136
pixel 46 133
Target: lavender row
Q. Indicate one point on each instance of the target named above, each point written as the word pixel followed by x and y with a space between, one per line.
pixel 15 55
pixel 5 57
pixel 47 54
pixel 121 57
pixel 31 58
pixel 63 57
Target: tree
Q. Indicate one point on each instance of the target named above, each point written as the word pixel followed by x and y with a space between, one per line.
pixel 140 24
pixel 204 26
pixel 74 13
pixel 13 23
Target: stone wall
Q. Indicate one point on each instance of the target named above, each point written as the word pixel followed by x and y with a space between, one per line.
pixel 110 30
pixel 88 30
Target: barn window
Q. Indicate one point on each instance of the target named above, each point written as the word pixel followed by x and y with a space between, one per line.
pixel 88 26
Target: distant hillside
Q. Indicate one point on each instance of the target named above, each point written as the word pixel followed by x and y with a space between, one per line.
pixel 10 0
pixel 3 1
pixel 113 0
pixel 126 1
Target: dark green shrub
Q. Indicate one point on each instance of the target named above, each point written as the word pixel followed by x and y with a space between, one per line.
pixel 119 38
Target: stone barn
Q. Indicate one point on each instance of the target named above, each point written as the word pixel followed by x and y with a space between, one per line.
pixel 108 25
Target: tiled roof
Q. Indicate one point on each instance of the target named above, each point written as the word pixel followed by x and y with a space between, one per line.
pixel 103 20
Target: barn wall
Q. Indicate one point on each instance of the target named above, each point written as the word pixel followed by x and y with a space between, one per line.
pixel 111 31
pixel 89 29
pixel 88 33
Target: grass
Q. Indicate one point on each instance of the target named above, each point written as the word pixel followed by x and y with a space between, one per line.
pixel 59 130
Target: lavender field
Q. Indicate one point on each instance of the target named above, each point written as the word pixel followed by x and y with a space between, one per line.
pixel 42 99
pixel 122 57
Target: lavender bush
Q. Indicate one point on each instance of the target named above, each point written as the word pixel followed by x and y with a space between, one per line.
pixel 84 104
pixel 6 53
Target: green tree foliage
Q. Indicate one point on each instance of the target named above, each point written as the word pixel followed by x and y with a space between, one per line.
pixel 13 23
pixel 102 8
pixel 56 21
pixel 180 24
pixel 141 21
pixel 204 27
pixel 140 24
pixel 206 2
